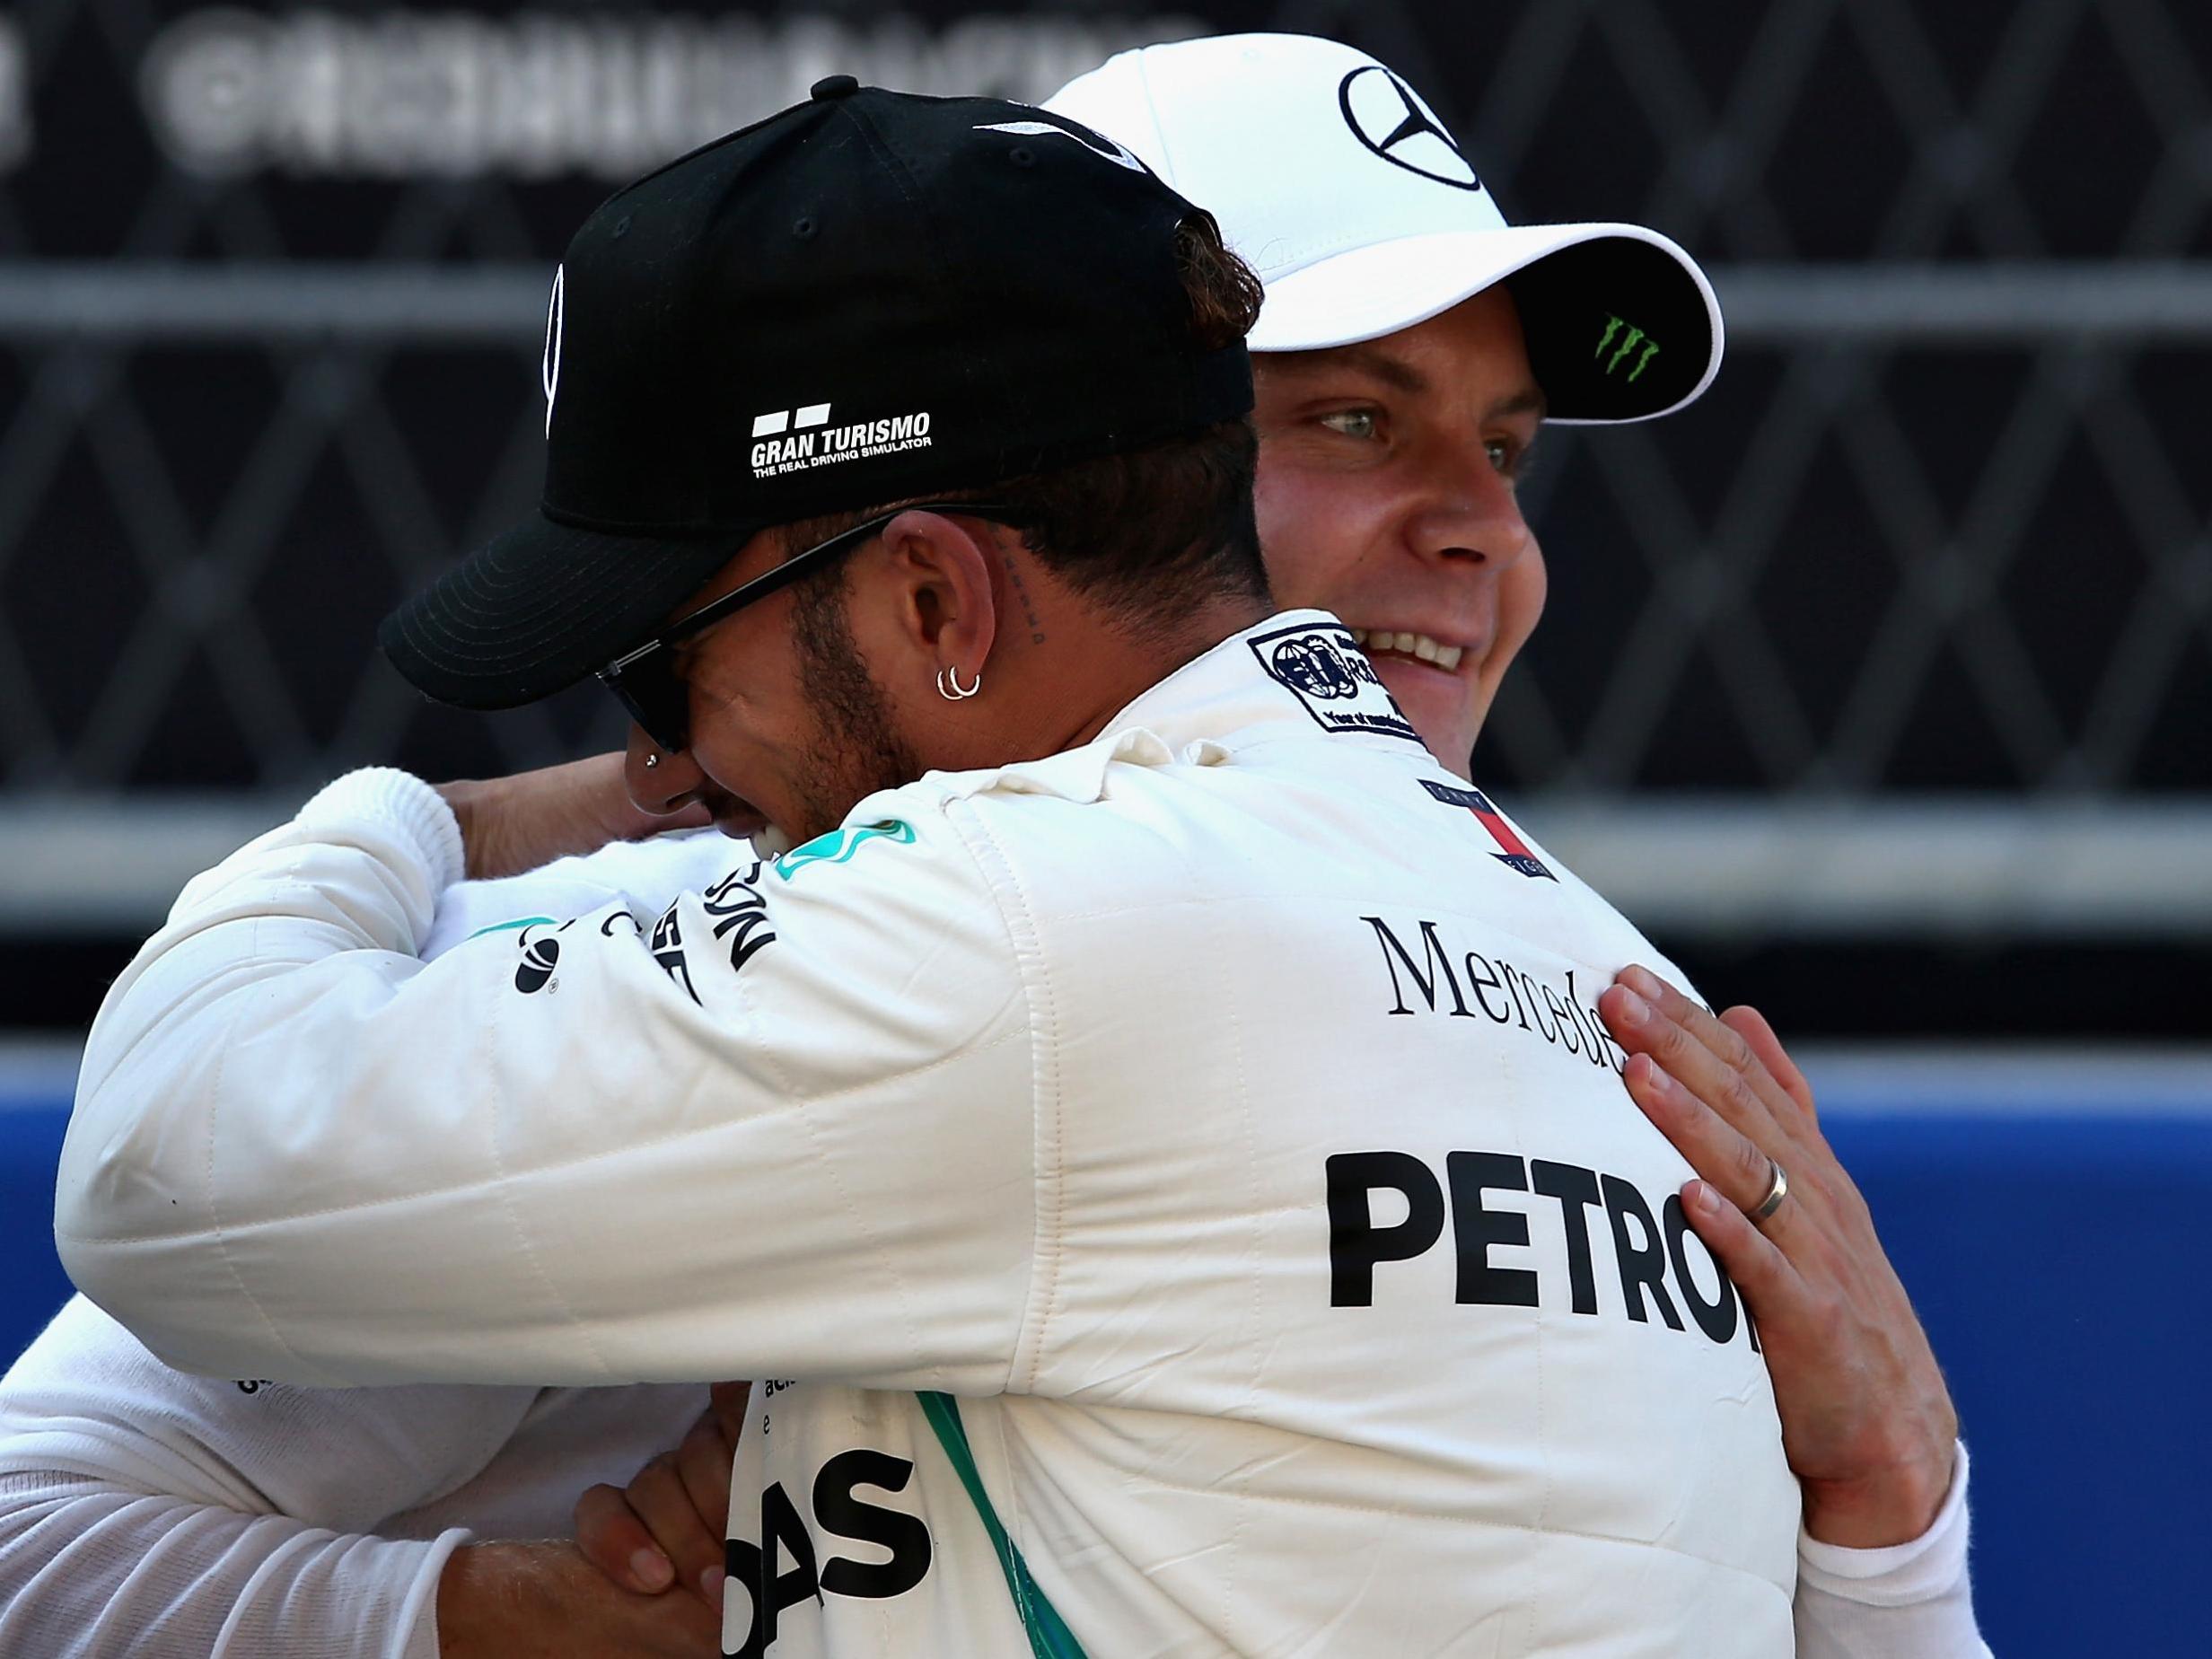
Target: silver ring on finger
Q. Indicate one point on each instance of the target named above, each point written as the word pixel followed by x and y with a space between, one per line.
pixel 1777 1190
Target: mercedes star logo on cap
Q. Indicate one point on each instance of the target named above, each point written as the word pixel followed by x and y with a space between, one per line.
pixel 1389 118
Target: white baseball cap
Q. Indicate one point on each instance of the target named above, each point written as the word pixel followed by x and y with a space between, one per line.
pixel 1337 183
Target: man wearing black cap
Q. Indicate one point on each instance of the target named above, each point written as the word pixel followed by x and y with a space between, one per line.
pixel 743 340
pixel 1148 1138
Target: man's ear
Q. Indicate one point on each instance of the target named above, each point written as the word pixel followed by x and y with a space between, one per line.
pixel 948 604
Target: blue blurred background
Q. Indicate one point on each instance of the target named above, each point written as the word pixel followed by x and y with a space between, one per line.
pixel 2047 1215
pixel 1877 687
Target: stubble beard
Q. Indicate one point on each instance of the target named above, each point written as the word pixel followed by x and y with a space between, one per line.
pixel 857 747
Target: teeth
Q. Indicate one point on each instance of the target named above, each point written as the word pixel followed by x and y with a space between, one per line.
pixel 770 842
pixel 1419 646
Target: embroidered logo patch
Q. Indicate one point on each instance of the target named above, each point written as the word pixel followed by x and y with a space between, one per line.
pixel 798 440
pixel 1332 680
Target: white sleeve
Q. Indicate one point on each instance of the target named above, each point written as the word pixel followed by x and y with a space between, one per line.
pixel 93 1573
pixel 142 1511
pixel 785 1128
pixel 651 871
pixel 1911 1600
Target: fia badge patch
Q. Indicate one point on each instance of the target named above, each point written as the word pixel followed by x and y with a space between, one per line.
pixel 1516 856
pixel 1331 679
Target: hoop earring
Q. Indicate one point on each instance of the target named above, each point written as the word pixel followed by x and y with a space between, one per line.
pixel 953 693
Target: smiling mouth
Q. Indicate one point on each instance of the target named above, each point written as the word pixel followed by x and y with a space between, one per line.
pixel 1415 647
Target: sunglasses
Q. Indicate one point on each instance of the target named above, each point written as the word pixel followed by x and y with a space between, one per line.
pixel 645 680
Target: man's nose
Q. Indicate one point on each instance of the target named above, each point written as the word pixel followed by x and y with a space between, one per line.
pixel 1473 516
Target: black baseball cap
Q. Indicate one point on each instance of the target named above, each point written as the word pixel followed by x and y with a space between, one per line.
pixel 870 296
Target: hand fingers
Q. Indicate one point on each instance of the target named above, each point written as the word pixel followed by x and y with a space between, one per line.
pixel 704 1462
pixel 728 1401
pixel 1644 1026
pixel 1723 1156
pixel 1759 1036
pixel 662 1501
pixel 1742 1039
pixel 613 1540
pixel 1723 1040
pixel 1770 1285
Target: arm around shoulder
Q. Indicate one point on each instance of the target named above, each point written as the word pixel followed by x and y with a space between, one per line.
pixel 658 1142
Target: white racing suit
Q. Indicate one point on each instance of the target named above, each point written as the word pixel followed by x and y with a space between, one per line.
pixel 1215 1112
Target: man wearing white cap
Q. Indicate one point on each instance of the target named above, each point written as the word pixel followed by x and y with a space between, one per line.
pixel 1411 345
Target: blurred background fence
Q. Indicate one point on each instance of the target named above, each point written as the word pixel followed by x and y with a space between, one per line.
pixel 1878 685
pixel 1885 671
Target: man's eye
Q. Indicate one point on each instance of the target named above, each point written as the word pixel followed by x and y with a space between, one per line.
pixel 1355 422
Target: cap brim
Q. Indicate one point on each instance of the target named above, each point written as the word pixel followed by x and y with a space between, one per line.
pixel 539 608
pixel 1582 289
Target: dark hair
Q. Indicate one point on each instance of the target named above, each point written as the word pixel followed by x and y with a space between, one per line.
pixel 1224 295
pixel 1149 533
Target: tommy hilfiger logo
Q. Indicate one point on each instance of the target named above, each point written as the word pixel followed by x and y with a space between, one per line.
pixel 1516 856
pixel 794 440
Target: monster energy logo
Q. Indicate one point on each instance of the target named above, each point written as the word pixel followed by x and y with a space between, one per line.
pixel 1627 343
